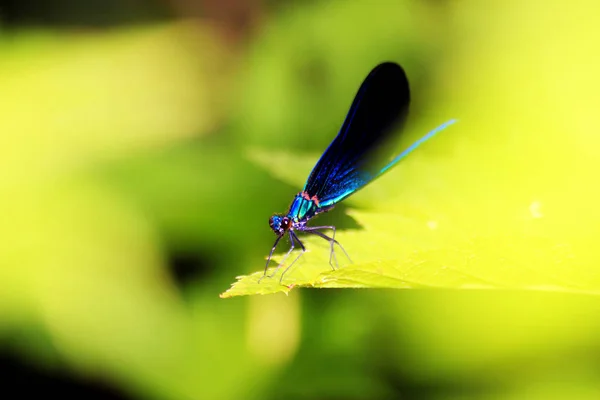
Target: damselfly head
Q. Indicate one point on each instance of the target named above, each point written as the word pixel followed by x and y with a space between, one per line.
pixel 280 224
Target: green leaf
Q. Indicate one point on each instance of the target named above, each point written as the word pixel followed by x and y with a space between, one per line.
pixel 441 262
pixel 427 238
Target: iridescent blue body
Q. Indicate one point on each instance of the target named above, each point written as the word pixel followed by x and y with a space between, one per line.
pixel 303 207
pixel 353 159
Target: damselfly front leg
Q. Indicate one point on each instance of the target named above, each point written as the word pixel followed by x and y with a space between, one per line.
pixel 292 237
pixel 293 240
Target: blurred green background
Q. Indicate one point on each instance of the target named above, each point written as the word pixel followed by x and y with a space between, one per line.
pixel 129 201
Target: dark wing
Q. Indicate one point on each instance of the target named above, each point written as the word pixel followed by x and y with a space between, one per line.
pixel 350 161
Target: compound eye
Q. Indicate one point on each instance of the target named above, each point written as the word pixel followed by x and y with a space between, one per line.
pixel 286 223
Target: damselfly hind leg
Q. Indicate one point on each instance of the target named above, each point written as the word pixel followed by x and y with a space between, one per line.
pixel 315 231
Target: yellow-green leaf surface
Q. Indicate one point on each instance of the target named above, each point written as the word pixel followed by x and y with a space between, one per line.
pixel 449 219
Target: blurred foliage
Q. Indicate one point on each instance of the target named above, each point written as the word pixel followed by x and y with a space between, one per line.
pixel 128 154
